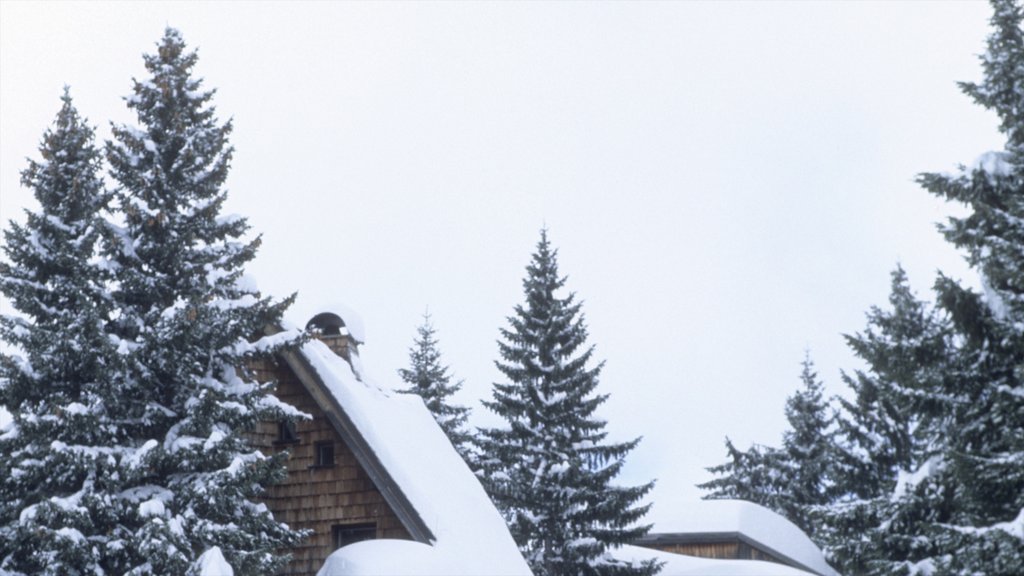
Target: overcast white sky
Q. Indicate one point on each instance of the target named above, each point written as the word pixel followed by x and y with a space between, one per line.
pixel 728 183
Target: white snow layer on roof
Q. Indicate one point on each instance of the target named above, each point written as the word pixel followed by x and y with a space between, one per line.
pixel 771 530
pixel 470 536
pixel 680 565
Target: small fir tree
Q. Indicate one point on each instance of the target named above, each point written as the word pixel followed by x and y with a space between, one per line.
pixel 54 456
pixel 186 315
pixel 808 449
pixel 752 475
pixel 429 378
pixel 793 479
pixel 550 471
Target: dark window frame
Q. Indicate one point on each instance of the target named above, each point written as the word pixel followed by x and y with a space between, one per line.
pixel 345 534
pixel 323 454
pixel 286 432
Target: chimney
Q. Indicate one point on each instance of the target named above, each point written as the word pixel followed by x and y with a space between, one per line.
pixel 330 329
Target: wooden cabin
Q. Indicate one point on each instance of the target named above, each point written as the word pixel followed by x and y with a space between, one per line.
pixel 367 465
pixel 334 482
pixel 736 530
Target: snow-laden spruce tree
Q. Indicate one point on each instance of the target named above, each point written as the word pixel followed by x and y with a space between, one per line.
pixel 984 462
pixel 895 424
pixel 790 480
pixel 551 470
pixel 429 378
pixel 185 319
pixel 808 448
pixel 754 475
pixel 54 457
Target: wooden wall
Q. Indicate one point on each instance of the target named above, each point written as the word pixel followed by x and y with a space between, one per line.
pixel 318 498
pixel 726 549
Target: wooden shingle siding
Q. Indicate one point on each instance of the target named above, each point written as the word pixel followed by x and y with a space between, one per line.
pixel 317 498
pixel 722 546
pixel 721 550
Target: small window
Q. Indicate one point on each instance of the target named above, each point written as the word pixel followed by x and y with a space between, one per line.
pixel 286 433
pixel 345 534
pixel 323 455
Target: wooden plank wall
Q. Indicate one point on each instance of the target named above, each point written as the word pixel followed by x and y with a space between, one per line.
pixel 726 550
pixel 318 498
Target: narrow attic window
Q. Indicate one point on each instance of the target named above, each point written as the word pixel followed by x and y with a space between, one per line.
pixel 286 433
pixel 323 455
pixel 345 534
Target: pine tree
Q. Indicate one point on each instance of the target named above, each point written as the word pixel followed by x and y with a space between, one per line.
pixel 53 467
pixel 808 449
pixel 984 462
pixel 429 378
pixel 754 475
pixel 793 479
pixel 550 470
pixel 185 317
pixel 889 433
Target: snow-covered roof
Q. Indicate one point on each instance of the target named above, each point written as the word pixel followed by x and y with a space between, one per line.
pixel 455 527
pixel 756 524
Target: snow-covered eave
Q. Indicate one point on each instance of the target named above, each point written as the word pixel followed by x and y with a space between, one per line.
pixel 353 438
pixel 708 537
pixel 750 523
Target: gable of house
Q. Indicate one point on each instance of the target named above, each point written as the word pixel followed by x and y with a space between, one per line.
pixel 327 490
pixel 373 467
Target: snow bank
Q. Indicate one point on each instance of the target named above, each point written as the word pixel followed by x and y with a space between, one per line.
pixel 756 522
pixel 680 565
pixel 390 558
pixel 470 535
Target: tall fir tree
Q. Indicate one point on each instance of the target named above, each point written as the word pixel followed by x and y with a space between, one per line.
pixel 429 378
pixel 790 480
pixel 550 470
pixel 186 315
pixel 984 462
pixel 54 455
pixel 889 433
